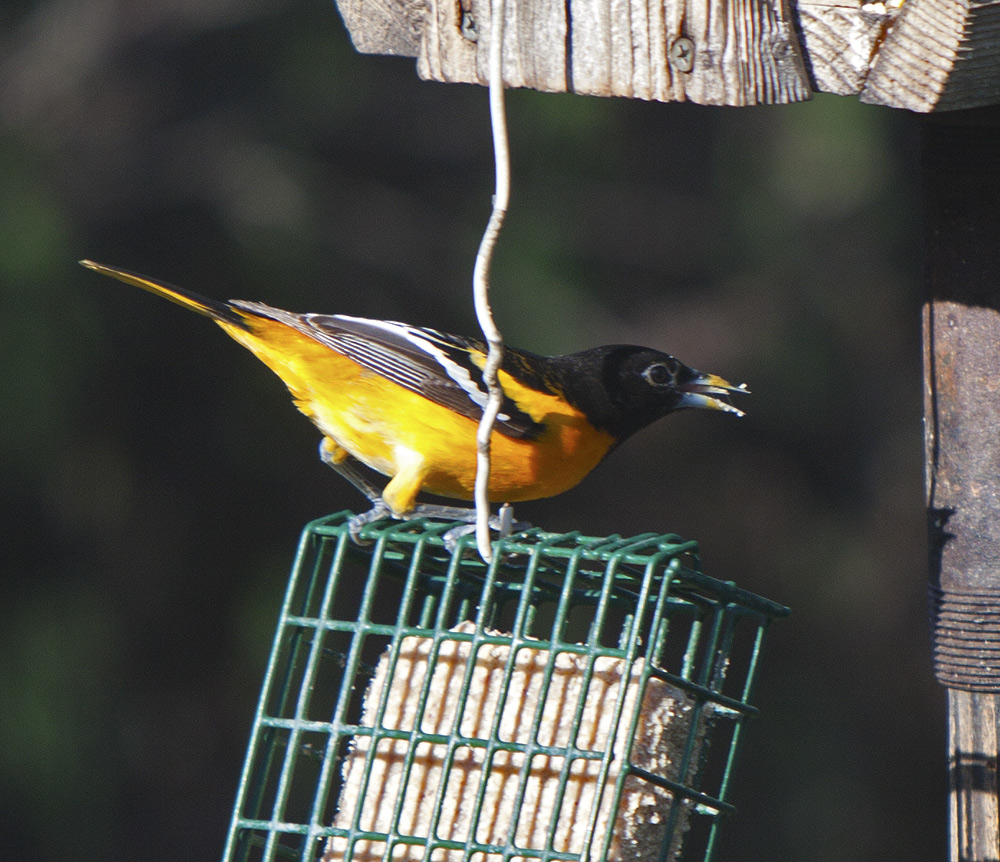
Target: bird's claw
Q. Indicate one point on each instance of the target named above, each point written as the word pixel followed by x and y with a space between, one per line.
pixel 502 523
pixel 376 513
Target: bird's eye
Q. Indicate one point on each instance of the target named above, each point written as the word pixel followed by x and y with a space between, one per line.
pixel 658 374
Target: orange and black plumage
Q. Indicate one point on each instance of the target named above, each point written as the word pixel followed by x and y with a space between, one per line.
pixel 406 400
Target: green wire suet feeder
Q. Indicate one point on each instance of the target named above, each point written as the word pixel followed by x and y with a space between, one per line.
pixel 578 699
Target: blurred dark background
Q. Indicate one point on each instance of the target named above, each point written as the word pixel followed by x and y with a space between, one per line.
pixel 155 476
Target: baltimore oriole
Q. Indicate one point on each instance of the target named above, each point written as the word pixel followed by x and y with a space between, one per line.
pixel 406 400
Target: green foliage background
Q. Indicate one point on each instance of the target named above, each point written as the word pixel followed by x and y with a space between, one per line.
pixel 153 476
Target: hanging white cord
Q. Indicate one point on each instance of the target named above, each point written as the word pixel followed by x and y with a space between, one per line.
pixel 481 281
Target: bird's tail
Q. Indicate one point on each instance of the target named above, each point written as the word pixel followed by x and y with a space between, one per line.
pixel 219 311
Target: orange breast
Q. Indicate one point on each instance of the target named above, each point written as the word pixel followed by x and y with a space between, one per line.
pixel 383 425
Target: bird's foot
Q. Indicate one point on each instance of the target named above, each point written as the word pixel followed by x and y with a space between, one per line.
pixel 502 523
pixel 376 513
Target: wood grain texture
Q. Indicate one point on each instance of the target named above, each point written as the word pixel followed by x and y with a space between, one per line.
pixel 735 52
pixel 923 55
pixel 973 797
pixel 450 52
pixel 939 55
pixel 384 26
pixel 840 41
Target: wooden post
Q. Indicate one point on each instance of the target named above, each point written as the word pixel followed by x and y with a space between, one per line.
pixel 961 169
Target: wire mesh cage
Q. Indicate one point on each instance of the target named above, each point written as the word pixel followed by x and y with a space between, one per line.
pixel 578 699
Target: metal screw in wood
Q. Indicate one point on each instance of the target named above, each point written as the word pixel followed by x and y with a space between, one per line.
pixel 681 54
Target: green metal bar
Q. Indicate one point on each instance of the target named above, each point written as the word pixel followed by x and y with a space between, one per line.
pixel 232 849
pixel 632 651
pixel 415 735
pixel 585 683
pixel 707 676
pixel 758 644
pixel 612 597
pixel 493 743
pixel 531 748
pixel 292 749
pixel 333 742
pixel 376 733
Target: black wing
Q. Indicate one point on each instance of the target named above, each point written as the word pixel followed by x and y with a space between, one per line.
pixel 433 364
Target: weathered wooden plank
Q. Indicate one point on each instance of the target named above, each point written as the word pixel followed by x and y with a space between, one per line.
pixel 534 45
pixel 924 55
pixel 744 54
pixel 972 782
pixel 939 55
pixel 728 52
pixel 840 39
pixel 384 26
pixel 449 41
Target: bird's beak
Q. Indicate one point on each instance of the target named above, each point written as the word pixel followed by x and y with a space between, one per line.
pixel 703 390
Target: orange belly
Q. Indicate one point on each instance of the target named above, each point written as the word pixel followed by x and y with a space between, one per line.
pixel 419 444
